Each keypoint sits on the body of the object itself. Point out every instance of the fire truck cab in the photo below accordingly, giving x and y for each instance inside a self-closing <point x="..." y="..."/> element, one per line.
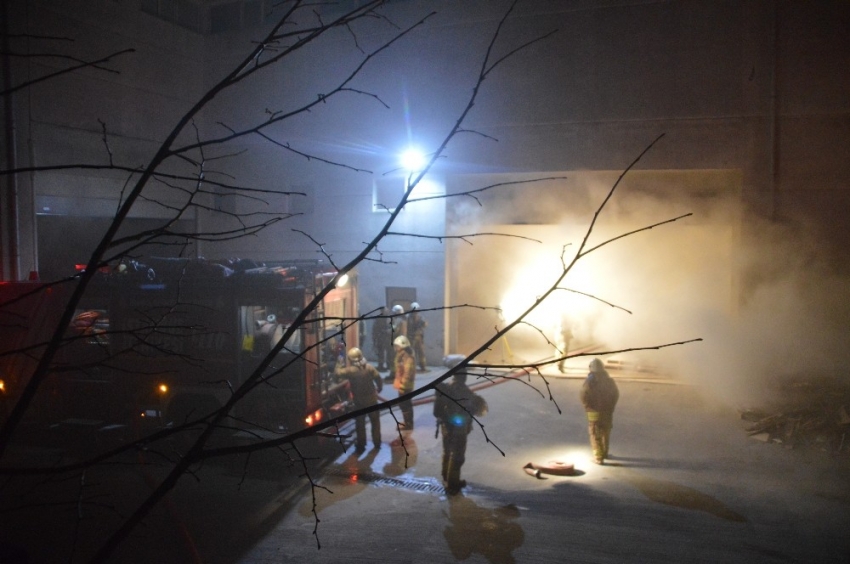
<point x="162" y="342"/>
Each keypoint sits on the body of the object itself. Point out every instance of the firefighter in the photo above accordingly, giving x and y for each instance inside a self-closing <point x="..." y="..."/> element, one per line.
<point x="366" y="384"/>
<point x="382" y="342"/>
<point x="563" y="347"/>
<point x="405" y="378"/>
<point x="416" y="334"/>
<point x="398" y="327"/>
<point x="454" y="407"/>
<point x="599" y="395"/>
<point x="399" y="322"/>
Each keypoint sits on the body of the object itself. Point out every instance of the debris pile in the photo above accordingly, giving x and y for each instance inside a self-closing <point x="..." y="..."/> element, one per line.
<point x="809" y="414"/>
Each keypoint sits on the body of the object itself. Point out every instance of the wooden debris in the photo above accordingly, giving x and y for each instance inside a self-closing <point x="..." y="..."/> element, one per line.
<point x="813" y="414"/>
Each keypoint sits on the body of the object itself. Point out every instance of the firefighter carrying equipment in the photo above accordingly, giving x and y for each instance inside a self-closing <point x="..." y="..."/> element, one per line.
<point x="554" y="467"/>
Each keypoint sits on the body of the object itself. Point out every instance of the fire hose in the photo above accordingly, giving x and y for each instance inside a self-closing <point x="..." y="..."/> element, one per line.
<point x="553" y="467"/>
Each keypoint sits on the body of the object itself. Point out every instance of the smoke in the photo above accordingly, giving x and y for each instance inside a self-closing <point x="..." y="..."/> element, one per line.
<point x="760" y="295"/>
<point x="791" y="324"/>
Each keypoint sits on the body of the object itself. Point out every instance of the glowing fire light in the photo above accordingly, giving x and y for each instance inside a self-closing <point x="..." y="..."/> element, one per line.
<point x="530" y="282"/>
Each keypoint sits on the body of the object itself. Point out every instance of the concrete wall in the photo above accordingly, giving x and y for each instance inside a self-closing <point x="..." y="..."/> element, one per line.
<point x="117" y="111"/>
<point x="751" y="86"/>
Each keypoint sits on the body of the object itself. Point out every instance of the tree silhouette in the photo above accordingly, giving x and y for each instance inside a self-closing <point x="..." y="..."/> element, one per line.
<point x="185" y="166"/>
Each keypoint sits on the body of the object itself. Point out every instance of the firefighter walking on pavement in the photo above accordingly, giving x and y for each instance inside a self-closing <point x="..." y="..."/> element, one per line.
<point x="599" y="395"/>
<point x="454" y="407"/>
<point x="365" y="384"/>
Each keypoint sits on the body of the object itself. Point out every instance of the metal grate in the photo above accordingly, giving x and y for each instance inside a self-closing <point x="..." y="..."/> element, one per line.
<point x="425" y="485"/>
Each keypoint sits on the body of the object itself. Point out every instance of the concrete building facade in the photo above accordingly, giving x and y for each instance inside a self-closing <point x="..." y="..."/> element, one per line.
<point x="752" y="98"/>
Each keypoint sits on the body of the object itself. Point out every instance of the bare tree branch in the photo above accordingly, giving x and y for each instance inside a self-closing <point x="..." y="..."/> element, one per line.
<point x="82" y="64"/>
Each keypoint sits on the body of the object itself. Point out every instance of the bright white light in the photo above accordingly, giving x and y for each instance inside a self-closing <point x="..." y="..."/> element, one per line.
<point x="343" y="280"/>
<point x="532" y="276"/>
<point x="413" y="160"/>
<point x="533" y="279"/>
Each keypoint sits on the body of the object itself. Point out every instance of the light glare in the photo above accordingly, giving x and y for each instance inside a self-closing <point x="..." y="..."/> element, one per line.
<point x="413" y="160"/>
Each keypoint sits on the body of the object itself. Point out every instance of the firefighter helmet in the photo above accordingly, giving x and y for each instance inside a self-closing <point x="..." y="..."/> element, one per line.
<point x="596" y="365"/>
<point x="398" y="309"/>
<point x="402" y="341"/>
<point x="413" y="306"/>
<point x="355" y="355"/>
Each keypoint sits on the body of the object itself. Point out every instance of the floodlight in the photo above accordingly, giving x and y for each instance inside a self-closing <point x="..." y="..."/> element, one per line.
<point x="413" y="160"/>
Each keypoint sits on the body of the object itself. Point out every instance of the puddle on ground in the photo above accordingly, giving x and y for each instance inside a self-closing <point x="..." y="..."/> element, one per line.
<point x="491" y="532"/>
<point x="353" y="472"/>
<point x="677" y="495"/>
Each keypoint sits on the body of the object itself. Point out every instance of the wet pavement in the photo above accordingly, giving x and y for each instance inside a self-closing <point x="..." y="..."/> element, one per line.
<point x="685" y="484"/>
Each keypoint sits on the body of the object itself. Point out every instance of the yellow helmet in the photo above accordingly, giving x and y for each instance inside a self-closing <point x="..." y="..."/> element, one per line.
<point x="402" y="341"/>
<point x="355" y="355"/>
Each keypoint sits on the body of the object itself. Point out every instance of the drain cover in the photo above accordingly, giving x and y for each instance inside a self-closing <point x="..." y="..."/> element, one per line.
<point x="428" y="485"/>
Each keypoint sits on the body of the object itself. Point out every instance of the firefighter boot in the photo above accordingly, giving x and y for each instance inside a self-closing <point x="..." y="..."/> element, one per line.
<point x="453" y="482"/>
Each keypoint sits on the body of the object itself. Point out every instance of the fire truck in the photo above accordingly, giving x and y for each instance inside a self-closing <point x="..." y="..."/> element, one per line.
<point x="159" y="342"/>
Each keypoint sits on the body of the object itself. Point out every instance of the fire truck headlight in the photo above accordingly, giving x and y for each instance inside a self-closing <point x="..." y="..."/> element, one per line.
<point x="162" y="389"/>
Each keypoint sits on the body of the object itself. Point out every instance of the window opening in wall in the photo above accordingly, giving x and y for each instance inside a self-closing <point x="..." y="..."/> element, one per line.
<point x="400" y="295"/>
<point x="387" y="193"/>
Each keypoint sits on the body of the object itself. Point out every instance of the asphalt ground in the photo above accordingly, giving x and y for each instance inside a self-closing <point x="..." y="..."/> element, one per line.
<point x="685" y="484"/>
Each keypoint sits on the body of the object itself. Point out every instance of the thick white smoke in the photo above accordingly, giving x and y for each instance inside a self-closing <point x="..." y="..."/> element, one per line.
<point x="759" y="294"/>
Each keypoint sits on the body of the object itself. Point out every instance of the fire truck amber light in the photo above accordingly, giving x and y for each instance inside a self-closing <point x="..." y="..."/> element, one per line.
<point x="313" y="418"/>
<point x="162" y="388"/>
<point x="2" y="386"/>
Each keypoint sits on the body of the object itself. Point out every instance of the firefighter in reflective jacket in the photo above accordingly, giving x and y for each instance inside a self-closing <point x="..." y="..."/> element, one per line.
<point x="599" y="395"/>
<point x="405" y="378"/>
<point x="454" y="407"/>
<point x="365" y="383"/>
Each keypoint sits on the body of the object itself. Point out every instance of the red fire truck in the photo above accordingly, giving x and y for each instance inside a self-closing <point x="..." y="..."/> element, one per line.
<point x="158" y="342"/>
